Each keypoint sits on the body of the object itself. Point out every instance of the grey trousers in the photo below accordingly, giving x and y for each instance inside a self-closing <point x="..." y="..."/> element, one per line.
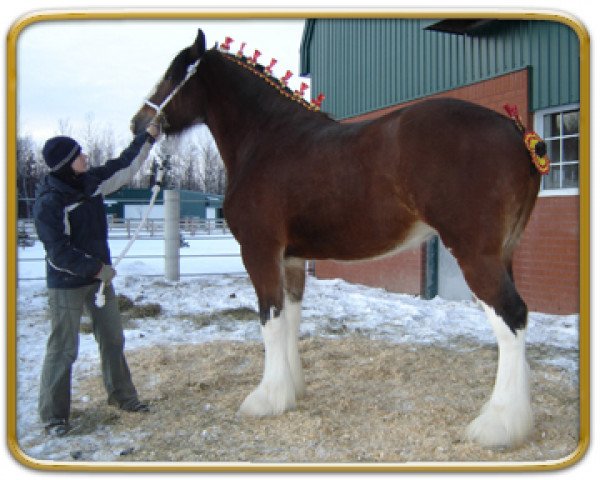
<point x="66" y="309"/>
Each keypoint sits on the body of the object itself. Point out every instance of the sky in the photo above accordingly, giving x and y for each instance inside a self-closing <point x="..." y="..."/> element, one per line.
<point x="99" y="71"/>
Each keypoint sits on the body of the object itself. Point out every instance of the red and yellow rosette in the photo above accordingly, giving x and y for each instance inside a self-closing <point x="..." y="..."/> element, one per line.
<point x="534" y="143"/>
<point x="541" y="162"/>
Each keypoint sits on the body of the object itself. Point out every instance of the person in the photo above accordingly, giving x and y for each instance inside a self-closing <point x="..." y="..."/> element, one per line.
<point x="70" y="220"/>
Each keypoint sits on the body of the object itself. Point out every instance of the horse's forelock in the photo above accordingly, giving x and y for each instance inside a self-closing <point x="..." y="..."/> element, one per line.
<point x="178" y="68"/>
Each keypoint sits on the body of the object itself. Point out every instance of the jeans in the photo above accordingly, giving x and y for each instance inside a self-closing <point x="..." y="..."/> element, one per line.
<point x="66" y="309"/>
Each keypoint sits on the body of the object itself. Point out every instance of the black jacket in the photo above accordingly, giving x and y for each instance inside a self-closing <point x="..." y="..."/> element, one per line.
<point x="71" y="222"/>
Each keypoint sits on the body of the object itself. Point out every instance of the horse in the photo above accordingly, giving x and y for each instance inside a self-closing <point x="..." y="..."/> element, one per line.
<point x="304" y="186"/>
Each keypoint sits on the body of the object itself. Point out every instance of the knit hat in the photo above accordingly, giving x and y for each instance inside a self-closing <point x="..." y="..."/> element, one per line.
<point x="60" y="151"/>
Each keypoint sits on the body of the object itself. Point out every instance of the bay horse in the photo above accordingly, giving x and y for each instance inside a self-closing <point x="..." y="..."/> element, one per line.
<point x="304" y="186"/>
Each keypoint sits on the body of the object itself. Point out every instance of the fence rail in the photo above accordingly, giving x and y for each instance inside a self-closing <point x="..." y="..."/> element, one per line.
<point x="124" y="228"/>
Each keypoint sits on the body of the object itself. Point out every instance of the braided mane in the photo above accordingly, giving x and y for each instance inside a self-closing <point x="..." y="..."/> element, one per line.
<point x="264" y="74"/>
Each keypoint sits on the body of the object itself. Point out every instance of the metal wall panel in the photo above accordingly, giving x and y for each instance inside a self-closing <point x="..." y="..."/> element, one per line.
<point x="367" y="64"/>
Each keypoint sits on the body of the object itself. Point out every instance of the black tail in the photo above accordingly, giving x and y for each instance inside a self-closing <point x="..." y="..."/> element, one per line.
<point x="540" y="148"/>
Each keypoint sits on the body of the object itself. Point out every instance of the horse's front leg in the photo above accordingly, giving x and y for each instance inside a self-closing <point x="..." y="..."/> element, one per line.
<point x="276" y="392"/>
<point x="295" y="277"/>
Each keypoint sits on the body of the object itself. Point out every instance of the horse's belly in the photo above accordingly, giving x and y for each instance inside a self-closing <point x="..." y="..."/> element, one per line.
<point x="355" y="246"/>
<point x="416" y="236"/>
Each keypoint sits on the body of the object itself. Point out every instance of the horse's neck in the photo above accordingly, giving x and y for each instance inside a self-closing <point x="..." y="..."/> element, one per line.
<point x="242" y="111"/>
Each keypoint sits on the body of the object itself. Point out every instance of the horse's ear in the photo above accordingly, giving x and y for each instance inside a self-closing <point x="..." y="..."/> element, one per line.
<point x="200" y="43"/>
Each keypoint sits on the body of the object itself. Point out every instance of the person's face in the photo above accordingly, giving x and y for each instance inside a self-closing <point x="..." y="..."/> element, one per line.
<point x="80" y="164"/>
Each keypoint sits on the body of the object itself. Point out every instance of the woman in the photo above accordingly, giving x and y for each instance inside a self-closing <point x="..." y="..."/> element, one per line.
<point x="70" y="220"/>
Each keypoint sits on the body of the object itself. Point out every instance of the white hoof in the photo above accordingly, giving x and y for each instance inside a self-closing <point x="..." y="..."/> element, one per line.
<point x="501" y="427"/>
<point x="265" y="401"/>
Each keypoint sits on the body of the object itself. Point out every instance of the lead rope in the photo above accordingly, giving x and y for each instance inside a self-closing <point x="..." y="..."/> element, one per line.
<point x="100" y="297"/>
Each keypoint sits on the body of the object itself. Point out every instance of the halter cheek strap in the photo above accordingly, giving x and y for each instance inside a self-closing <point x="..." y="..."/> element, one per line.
<point x="159" y="108"/>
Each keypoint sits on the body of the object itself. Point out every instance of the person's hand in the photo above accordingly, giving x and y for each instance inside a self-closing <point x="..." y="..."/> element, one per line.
<point x="106" y="273"/>
<point x="154" y="128"/>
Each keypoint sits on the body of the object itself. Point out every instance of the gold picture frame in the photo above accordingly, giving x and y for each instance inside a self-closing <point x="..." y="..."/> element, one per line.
<point x="12" y="248"/>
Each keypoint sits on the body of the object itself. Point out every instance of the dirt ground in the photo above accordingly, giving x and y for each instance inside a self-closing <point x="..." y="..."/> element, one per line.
<point x="367" y="401"/>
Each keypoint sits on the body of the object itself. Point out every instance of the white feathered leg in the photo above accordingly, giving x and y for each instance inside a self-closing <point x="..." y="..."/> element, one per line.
<point x="507" y="418"/>
<point x="276" y="392"/>
<point x="292" y="316"/>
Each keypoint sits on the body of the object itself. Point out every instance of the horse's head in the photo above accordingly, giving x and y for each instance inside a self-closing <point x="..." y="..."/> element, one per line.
<point x="172" y="97"/>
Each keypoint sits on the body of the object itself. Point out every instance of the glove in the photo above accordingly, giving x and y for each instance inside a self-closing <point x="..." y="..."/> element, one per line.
<point x="154" y="128"/>
<point x="106" y="273"/>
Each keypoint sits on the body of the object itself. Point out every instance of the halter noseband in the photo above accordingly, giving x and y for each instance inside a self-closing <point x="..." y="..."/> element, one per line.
<point x="191" y="70"/>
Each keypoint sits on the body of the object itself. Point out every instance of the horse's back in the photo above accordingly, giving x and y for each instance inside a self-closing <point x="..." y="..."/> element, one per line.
<point x="453" y="165"/>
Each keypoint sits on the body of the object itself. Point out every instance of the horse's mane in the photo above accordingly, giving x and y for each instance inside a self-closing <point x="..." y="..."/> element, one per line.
<point x="262" y="73"/>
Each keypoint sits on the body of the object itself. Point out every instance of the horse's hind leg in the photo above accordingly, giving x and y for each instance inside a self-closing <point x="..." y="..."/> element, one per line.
<point x="276" y="392"/>
<point x="507" y="418"/>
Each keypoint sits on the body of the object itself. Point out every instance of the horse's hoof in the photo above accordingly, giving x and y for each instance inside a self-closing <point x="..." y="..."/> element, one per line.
<point x="265" y="402"/>
<point x="498" y="427"/>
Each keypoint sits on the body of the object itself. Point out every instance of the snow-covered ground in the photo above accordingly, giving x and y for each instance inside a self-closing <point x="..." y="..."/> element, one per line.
<point x="330" y="308"/>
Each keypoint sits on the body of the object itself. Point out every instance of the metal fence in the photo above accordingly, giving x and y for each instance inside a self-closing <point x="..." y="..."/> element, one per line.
<point x="124" y="229"/>
<point x="119" y="228"/>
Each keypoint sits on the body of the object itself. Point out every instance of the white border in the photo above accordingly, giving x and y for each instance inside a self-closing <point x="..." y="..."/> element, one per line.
<point x="584" y="10"/>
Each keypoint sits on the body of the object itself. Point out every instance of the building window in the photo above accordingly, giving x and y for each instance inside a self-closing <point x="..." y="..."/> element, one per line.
<point x="559" y="127"/>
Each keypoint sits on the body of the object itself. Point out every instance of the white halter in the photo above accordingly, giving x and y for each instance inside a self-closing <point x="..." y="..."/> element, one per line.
<point x="191" y="70"/>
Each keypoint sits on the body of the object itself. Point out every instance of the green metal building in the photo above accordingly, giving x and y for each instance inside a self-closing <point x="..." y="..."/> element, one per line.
<point x="130" y="202"/>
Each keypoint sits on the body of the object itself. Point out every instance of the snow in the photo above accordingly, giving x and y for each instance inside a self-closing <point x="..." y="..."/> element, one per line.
<point x="330" y="308"/>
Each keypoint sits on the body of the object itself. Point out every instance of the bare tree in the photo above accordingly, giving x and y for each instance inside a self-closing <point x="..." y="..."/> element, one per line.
<point x="214" y="170"/>
<point x="30" y="168"/>
<point x="107" y="140"/>
<point x="91" y="142"/>
<point x="64" y="127"/>
<point x="193" y="175"/>
<point x="192" y="163"/>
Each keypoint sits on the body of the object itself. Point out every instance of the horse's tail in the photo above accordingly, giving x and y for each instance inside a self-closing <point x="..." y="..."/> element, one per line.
<point x="535" y="144"/>
<point x="540" y="148"/>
